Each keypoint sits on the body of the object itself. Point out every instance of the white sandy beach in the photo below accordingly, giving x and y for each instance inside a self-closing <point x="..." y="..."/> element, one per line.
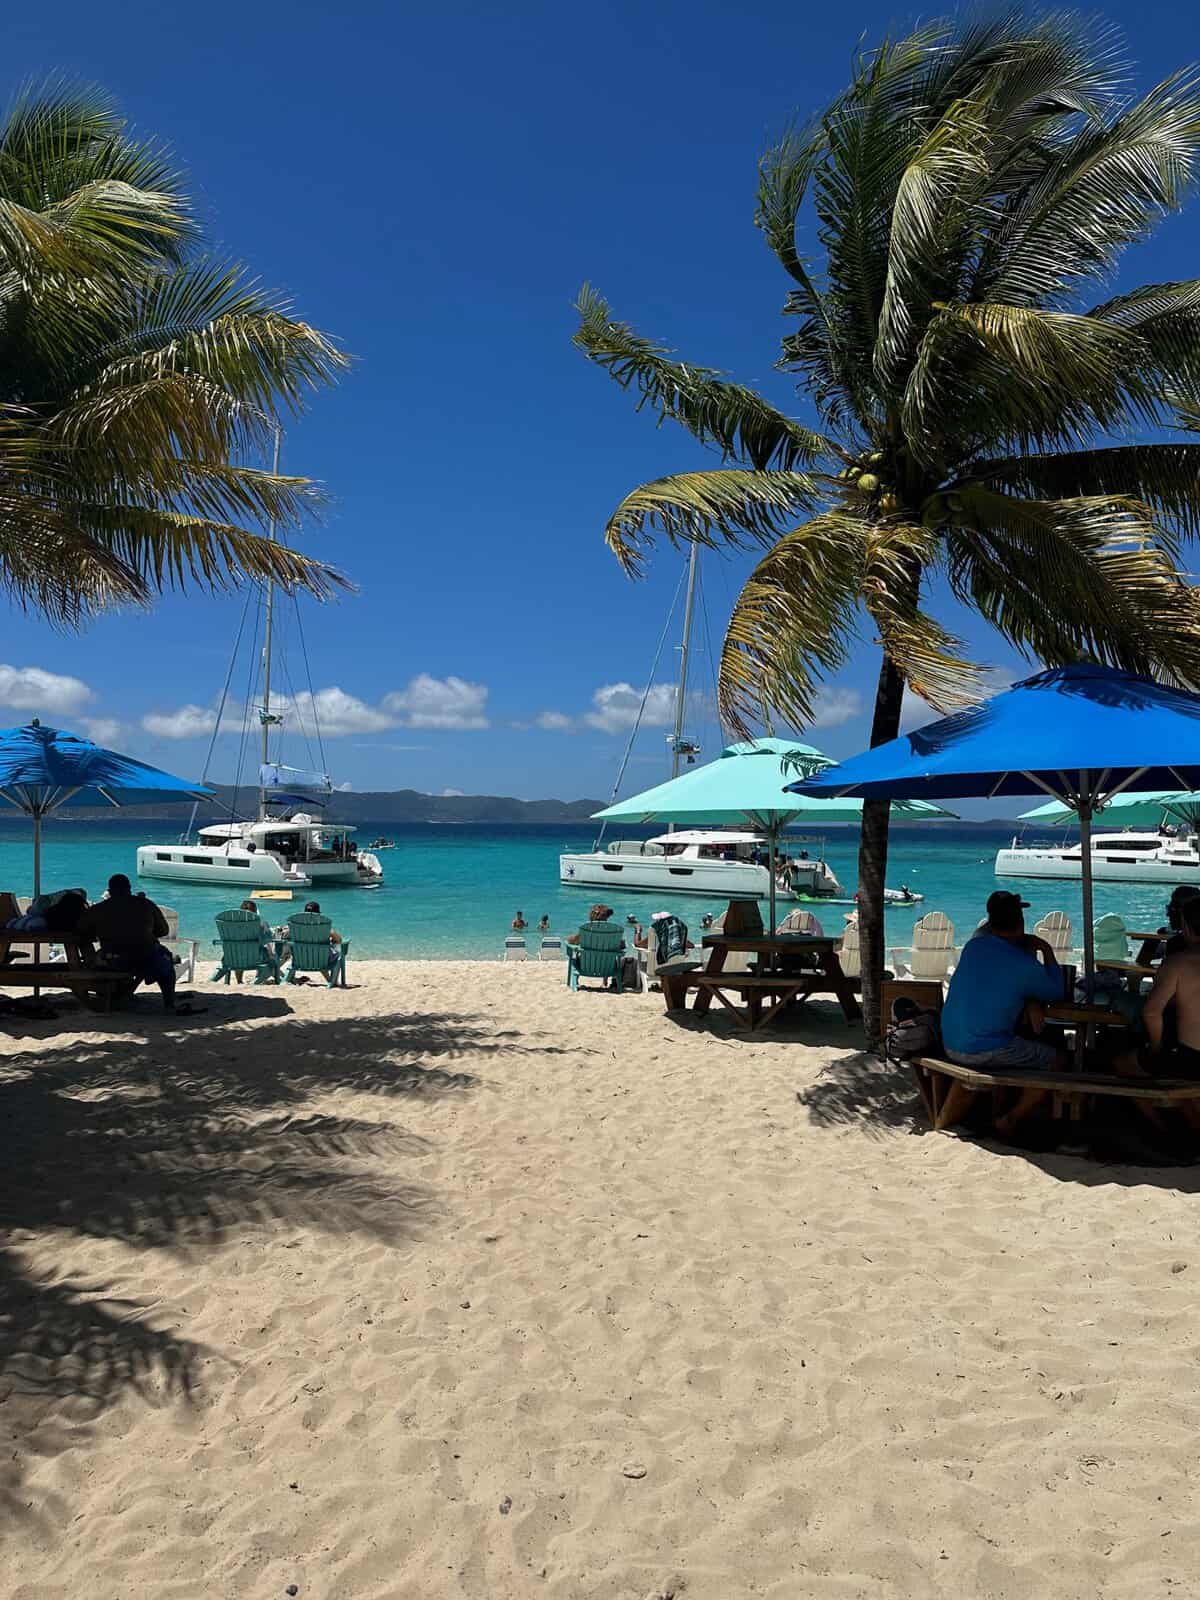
<point x="457" y="1284"/>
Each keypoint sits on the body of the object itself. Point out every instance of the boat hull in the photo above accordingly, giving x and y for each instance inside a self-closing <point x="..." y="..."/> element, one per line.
<point x="664" y="874"/>
<point x="241" y="870"/>
<point x="1106" y="867"/>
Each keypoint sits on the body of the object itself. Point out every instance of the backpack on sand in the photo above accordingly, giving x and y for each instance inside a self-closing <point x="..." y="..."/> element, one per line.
<point x="912" y="1033"/>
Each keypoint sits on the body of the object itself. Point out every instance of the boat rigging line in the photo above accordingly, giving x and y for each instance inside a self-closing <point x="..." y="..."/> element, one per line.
<point x="662" y="639"/>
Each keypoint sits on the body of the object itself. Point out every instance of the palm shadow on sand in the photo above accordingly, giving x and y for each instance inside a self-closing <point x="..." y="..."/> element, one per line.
<point x="136" y="1140"/>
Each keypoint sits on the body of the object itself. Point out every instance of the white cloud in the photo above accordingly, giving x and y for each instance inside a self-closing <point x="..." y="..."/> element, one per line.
<point x="554" y="721"/>
<point x="835" y="706"/>
<point x="344" y="788"/>
<point x="35" y="689"/>
<point x="103" y="730"/>
<point x="189" y="722"/>
<point x="429" y="702"/>
<point x="452" y="794"/>
<point x="615" y="707"/>
<point x="332" y="710"/>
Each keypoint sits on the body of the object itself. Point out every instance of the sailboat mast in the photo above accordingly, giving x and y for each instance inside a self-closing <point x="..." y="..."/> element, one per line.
<point x="681" y="691"/>
<point x="268" y="625"/>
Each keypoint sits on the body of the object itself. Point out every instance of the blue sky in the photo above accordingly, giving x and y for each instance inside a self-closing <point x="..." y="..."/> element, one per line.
<point x="432" y="185"/>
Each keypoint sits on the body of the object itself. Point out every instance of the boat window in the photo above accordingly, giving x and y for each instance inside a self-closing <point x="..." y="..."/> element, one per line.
<point x="164" y="855"/>
<point x="196" y="861"/>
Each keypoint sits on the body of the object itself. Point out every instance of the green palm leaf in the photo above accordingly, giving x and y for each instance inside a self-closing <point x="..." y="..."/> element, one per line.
<point x="138" y="380"/>
<point x="736" y="421"/>
<point x="708" y="508"/>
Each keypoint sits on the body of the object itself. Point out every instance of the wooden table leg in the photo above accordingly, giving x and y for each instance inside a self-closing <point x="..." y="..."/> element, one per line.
<point x="674" y="988"/>
<point x="716" y="963"/>
<point x="840" y="984"/>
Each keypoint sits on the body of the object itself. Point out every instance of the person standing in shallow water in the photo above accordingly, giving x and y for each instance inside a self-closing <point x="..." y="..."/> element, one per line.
<point x="518" y="923"/>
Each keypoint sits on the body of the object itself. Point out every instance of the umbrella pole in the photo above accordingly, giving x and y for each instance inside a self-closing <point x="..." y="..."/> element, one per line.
<point x="1085" y="878"/>
<point x="771" y="840"/>
<point x="37" y="853"/>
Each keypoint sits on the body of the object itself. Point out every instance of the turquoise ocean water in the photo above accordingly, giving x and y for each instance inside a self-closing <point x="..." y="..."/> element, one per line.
<point x="451" y="891"/>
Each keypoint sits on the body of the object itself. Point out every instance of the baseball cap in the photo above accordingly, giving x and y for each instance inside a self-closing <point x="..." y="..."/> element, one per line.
<point x="660" y="916"/>
<point x="1004" y="908"/>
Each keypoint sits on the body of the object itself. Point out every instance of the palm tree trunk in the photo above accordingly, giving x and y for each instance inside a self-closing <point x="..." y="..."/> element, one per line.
<point x="873" y="854"/>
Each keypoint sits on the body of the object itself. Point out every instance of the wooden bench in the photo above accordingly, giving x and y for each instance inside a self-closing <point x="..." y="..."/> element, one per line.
<point x="753" y="988"/>
<point x="948" y="1088"/>
<point x="97" y="988"/>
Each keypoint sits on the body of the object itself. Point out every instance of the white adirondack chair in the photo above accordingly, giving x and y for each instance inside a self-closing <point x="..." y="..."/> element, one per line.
<point x="514" y="948"/>
<point x="551" y="948"/>
<point x="932" y="952"/>
<point x="801" y="921"/>
<point x="178" y="944"/>
<point x="1055" y="929"/>
<point x="850" y="951"/>
<point x="735" y="960"/>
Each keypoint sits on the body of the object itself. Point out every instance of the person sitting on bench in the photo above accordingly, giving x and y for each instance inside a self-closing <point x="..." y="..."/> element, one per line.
<point x="997" y="983"/>
<point x="127" y="927"/>
<point x="1175" y="1052"/>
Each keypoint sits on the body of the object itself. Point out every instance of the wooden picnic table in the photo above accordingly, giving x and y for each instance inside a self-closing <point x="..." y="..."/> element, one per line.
<point x="1083" y="1019"/>
<point x="94" y="985"/>
<point x="773" y="984"/>
<point x="1132" y="971"/>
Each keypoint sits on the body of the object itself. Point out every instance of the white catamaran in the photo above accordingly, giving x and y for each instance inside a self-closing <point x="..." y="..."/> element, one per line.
<point x="1129" y="857"/>
<point x="719" y="862"/>
<point x="285" y="846"/>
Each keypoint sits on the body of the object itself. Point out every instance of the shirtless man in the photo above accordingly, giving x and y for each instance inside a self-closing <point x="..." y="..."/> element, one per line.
<point x="1178" y="983"/>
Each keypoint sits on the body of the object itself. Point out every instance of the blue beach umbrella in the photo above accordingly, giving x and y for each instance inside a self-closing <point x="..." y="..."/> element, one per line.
<point x="1080" y="735"/>
<point x="43" y="769"/>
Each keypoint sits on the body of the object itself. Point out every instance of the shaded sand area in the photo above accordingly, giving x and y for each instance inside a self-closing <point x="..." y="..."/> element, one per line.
<point x="459" y="1285"/>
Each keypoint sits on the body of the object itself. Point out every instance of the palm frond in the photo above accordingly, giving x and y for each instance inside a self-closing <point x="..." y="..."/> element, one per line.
<point x="925" y="224"/>
<point x="1084" y="576"/>
<point x="1035" y="378"/>
<point x="792" y="623"/>
<point x="729" y="505"/>
<point x="1100" y="193"/>
<point x="1165" y="477"/>
<point x="175" y="549"/>
<point x="735" y="420"/>
<point x="930" y="657"/>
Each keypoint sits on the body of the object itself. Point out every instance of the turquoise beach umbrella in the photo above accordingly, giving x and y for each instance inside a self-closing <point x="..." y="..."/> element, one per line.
<point x="1141" y="810"/>
<point x="746" y="787"/>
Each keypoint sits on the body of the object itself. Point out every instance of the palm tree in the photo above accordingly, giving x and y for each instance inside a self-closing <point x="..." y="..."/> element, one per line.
<point x="978" y="422"/>
<point x="138" y="377"/>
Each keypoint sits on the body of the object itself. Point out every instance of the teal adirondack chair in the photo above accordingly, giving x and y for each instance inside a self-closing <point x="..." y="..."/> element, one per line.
<point x="242" y="948"/>
<point x="599" y="954"/>
<point x="1110" y="940"/>
<point x="308" y="935"/>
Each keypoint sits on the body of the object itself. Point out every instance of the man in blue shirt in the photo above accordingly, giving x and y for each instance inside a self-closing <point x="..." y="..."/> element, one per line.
<point x="997" y="976"/>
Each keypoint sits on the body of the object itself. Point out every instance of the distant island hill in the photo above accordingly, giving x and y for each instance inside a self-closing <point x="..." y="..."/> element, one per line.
<point x="378" y="808"/>
<point x="396" y="807"/>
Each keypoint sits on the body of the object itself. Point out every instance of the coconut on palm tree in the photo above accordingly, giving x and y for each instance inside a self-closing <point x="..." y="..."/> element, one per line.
<point x="985" y="415"/>
<point x="139" y="378"/>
